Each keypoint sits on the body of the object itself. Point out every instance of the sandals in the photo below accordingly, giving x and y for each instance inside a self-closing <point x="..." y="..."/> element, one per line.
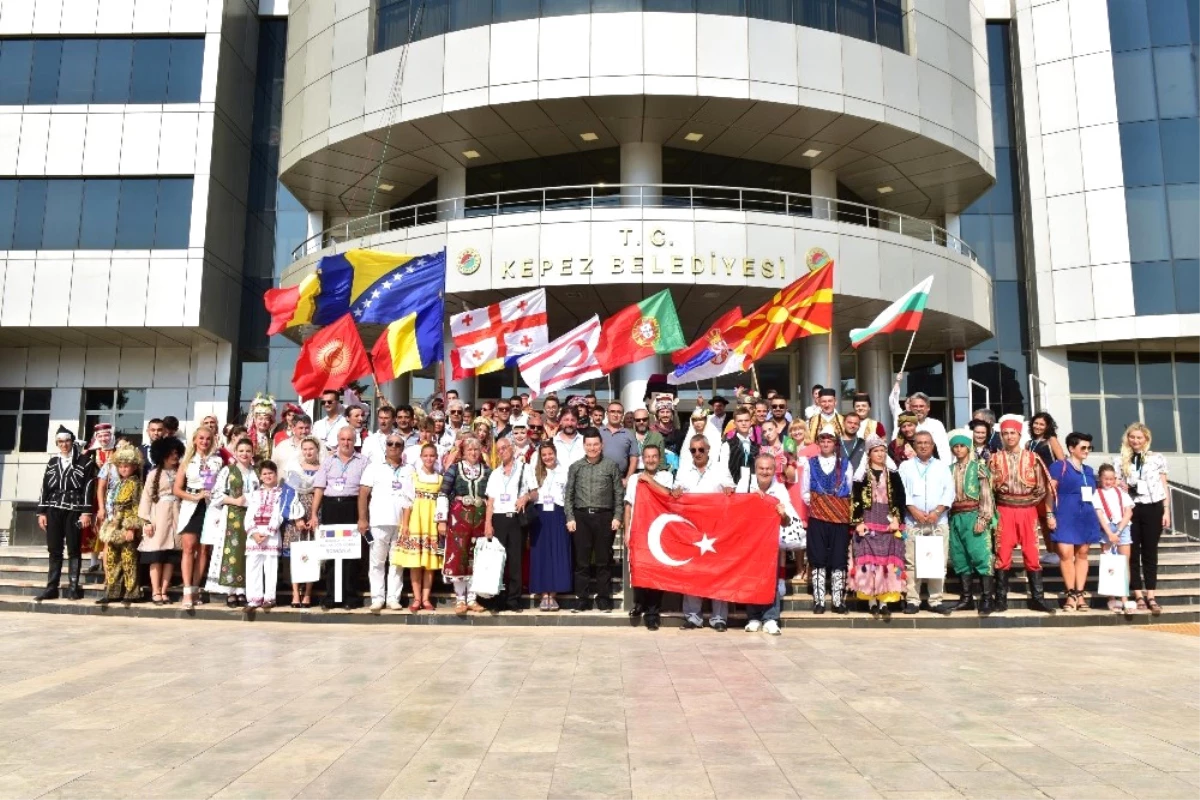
<point x="231" y="601"/>
<point x="1069" y="602"/>
<point x="1141" y="604"/>
<point x="1155" y="608"/>
<point x="1081" y="602"/>
<point x="460" y="608"/>
<point x="414" y="606"/>
<point x="427" y="606"/>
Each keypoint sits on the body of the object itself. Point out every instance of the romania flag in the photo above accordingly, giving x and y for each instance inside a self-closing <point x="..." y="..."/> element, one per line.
<point x="414" y="341"/>
<point x="802" y="308"/>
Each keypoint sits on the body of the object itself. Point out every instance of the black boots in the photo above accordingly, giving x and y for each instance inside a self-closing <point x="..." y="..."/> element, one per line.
<point x="49" y="593"/>
<point x="1001" y="591"/>
<point x="986" y="605"/>
<point x="1037" y="595"/>
<point x="966" y="601"/>
<point x="74" y="565"/>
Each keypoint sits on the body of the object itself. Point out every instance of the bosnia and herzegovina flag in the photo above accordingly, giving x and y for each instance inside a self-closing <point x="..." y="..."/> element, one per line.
<point x="376" y="288"/>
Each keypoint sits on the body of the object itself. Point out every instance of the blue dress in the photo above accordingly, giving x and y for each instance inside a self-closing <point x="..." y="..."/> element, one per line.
<point x="1077" y="523"/>
<point x="551" y="565"/>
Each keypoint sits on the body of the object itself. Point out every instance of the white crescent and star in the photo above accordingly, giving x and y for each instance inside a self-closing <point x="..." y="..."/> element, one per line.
<point x="654" y="540"/>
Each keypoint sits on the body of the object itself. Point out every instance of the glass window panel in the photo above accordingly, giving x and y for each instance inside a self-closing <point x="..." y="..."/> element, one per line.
<point x="63" y="201"/>
<point x="1119" y="373"/>
<point x="1085" y="417"/>
<point x="1119" y="414"/>
<point x="131" y="399"/>
<point x="856" y="18"/>
<point x="1002" y="191"/>
<point x="1189" y="412"/>
<point x="1014" y="379"/>
<point x="889" y="24"/>
<point x="997" y="47"/>
<point x="187" y="65"/>
<point x="1083" y="372"/>
<point x="151" y="60"/>
<point x="1175" y="82"/>
<point x="1152" y="282"/>
<point x="815" y="14"/>
<point x="43" y="79"/>
<point x="777" y="10"/>
<point x="1128" y="25"/>
<point x="129" y="426"/>
<point x="1147" y="210"/>
<point x="469" y="14"/>
<point x="98" y="399"/>
<point x="1134" y="78"/>
<point x="976" y="231"/>
<point x="1187" y="374"/>
<point x="1154" y="374"/>
<point x="562" y="8"/>
<point x="16" y="59"/>
<point x="435" y="18"/>
<point x="1141" y="156"/>
<point x="1000" y="121"/>
<point x="603" y="6"/>
<point x="729" y="7"/>
<point x="1004" y="247"/>
<point x="98" y="226"/>
<point x="174" y="213"/>
<point x="1187" y="286"/>
<point x="8" y="212"/>
<point x="10" y="400"/>
<point x="1008" y="315"/>
<point x="1181" y="150"/>
<point x="35" y="431"/>
<point x="135" y="218"/>
<point x="509" y="10"/>
<point x="1168" y="21"/>
<point x="8" y="432"/>
<point x="77" y="72"/>
<point x="37" y="400"/>
<point x="114" y="61"/>
<point x="1159" y="416"/>
<point x="1183" y="206"/>
<point x="31" y="210"/>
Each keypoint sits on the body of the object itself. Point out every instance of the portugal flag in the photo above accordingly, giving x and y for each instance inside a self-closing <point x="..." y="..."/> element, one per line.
<point x="330" y="359"/>
<point x="641" y="330"/>
<point x="719" y="546"/>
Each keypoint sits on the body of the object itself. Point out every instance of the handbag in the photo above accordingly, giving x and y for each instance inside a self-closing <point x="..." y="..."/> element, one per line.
<point x="306" y="562"/>
<point x="1114" y="574"/>
<point x="487" y="573"/>
<point x="529" y="513"/>
<point x="793" y="536"/>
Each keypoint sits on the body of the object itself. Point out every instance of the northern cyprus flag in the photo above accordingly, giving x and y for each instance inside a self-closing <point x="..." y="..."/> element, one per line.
<point x="903" y="315"/>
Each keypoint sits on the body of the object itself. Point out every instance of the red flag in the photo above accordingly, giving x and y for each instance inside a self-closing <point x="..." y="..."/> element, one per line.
<point x="692" y="545"/>
<point x="330" y="359"/>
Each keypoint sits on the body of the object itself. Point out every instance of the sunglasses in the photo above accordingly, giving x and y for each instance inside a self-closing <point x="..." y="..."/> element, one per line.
<point x="1085" y="447"/>
<point x="699" y="449"/>
<point x="779" y="405"/>
<point x="329" y="402"/>
<point x="641" y="419"/>
<point x="536" y="429"/>
<point x="395" y="444"/>
<point x="455" y="411"/>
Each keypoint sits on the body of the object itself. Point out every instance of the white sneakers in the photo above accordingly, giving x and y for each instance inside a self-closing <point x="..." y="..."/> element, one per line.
<point x="771" y="627"/>
<point x="376" y="606"/>
<point x="753" y="626"/>
<point x="395" y="605"/>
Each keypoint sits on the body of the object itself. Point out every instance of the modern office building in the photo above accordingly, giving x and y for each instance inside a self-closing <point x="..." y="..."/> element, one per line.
<point x="163" y="162"/>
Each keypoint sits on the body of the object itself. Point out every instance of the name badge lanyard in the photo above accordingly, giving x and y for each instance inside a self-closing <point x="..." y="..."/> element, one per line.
<point x="506" y="495"/>
<point x="571" y="447"/>
<point x="923" y="475"/>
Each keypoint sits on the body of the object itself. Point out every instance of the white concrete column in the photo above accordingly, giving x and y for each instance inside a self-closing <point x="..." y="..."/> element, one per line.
<point x="451" y="184"/>
<point x="631" y="380"/>
<point x="824" y="190"/>
<point x="466" y="387"/>
<point x="398" y="391"/>
<point x="817" y="368"/>
<point x="875" y="378"/>
<point x="641" y="164"/>
<point x="954" y="228"/>
<point x="316" y="224"/>
<point x="961" y="403"/>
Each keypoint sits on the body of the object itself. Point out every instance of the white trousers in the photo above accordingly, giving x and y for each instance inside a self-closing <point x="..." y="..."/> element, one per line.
<point x="262" y="574"/>
<point x="464" y="589"/>
<point x="385" y="578"/>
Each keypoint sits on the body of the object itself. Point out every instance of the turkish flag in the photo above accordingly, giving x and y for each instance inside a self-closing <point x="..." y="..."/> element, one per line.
<point x="724" y="547"/>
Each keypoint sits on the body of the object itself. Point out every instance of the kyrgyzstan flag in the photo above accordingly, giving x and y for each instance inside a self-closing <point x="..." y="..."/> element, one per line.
<point x="724" y="547"/>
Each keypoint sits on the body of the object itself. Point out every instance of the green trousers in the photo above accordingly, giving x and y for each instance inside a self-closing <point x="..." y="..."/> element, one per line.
<point x="970" y="552"/>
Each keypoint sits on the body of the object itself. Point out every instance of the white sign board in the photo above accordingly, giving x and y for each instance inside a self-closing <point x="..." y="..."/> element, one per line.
<point x="338" y="541"/>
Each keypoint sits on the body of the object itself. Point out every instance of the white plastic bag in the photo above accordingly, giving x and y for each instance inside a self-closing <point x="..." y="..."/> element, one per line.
<point x="792" y="536"/>
<point x="487" y="575"/>
<point x="306" y="562"/>
<point x="930" y="557"/>
<point x="1114" y="575"/>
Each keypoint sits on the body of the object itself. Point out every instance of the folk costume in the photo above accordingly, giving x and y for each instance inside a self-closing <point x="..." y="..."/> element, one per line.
<point x="901" y="449"/>
<point x="877" y="503"/>
<point x="1020" y="484"/>
<point x="971" y="549"/>
<point x="121" y="527"/>
<point x="260" y="427"/>
<point x="225" y="527"/>
<point x="67" y="492"/>
<point x="462" y="506"/>
<point x="99" y="448"/>
<point x="266" y="511"/>
<point x="821" y="422"/>
<point x="827" y="492"/>
<point x="420" y="547"/>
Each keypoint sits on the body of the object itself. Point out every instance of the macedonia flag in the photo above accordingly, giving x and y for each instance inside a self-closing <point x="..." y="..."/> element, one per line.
<point x="802" y="308"/>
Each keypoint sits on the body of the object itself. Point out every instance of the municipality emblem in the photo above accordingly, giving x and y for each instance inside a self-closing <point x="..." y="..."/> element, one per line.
<point x="645" y="333"/>
<point x="469" y="261"/>
<point x="816" y="258"/>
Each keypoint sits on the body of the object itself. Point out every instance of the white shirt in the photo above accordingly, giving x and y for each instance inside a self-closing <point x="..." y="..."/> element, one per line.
<point x="931" y="426"/>
<point x="447" y="440"/>
<point x="927" y="485"/>
<point x="286" y="456"/>
<point x="412" y="457"/>
<point x="710" y="480"/>
<point x="569" y="450"/>
<point x="749" y="485"/>
<point x="662" y="477"/>
<point x="391" y="492"/>
<point x="327" y="429"/>
<point x="374" y="449"/>
<point x="1118" y="500"/>
<point x="717" y="424"/>
<point x="811" y="411"/>
<point x="503" y="490"/>
<point x="714" y="446"/>
<point x="554" y="485"/>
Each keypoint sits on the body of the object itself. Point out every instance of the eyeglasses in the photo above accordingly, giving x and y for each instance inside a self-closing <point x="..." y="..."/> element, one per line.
<point x="455" y="411"/>
<point x="329" y="402"/>
<point x="698" y="449"/>
<point x="395" y="444"/>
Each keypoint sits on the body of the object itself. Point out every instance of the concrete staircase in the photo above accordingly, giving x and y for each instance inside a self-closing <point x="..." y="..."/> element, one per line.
<point x="23" y="575"/>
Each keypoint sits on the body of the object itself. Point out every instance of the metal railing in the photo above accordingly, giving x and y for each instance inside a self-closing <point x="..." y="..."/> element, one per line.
<point x="661" y="195"/>
<point x="1184" y="503"/>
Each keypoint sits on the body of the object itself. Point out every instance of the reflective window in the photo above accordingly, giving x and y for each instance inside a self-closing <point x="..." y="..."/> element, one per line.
<point x="95" y="213"/>
<point x="24" y="420"/>
<point x="1141" y="156"/>
<point x="1159" y="389"/>
<point x="124" y="409"/>
<point x="1083" y="372"/>
<point x="45" y="71"/>
<point x="856" y="18"/>
<point x="1085" y="417"/>
<point x="511" y="10"/>
<point x="816" y="14"/>
<point x="1169" y="22"/>
<point x="1152" y="281"/>
<point x="1189" y="412"/>
<point x="1187" y="374"/>
<point x="1119" y="373"/>
<point x="1147" y="212"/>
<point x="1187" y="286"/>
<point x="469" y="13"/>
<point x="777" y="10"/>
<point x="727" y="7"/>
<point x="563" y="8"/>
<point x="1128" y="25"/>
<point x="1159" y="415"/>
<point x="1180" y="149"/>
<point x="1183" y="209"/>
<point x="1174" y="82"/>
<point x="1133" y="72"/>
<point x="1119" y="414"/>
<point x="1154" y="374"/>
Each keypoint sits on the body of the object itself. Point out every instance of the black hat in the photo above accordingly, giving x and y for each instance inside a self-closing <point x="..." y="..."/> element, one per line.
<point x="862" y="397"/>
<point x="827" y="393"/>
<point x="718" y="399"/>
<point x="979" y="423"/>
<point x="62" y="429"/>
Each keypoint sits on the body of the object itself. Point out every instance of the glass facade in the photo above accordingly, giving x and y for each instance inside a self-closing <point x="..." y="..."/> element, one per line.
<point x="1155" y="69"/>
<point x="1110" y="390"/>
<point x="880" y="21"/>
<point x="94" y="70"/>
<point x="991" y="225"/>
<point x="95" y="213"/>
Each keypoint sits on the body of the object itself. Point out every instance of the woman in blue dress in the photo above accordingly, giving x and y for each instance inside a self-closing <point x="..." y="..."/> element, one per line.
<point x="1077" y="526"/>
<point x="550" y="560"/>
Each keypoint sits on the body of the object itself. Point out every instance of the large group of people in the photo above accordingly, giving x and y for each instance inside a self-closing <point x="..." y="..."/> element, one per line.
<point x="556" y="487"/>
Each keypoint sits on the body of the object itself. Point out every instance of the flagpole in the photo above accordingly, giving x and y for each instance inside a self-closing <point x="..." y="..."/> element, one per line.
<point x="904" y="363"/>
<point x="829" y="362"/>
<point x="753" y="378"/>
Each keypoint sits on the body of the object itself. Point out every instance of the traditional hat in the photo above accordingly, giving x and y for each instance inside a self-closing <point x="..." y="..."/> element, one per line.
<point x="862" y="397"/>
<point x="126" y="454"/>
<point x="827" y="432"/>
<point x="873" y="442"/>
<point x="101" y="427"/>
<point x="262" y="404"/>
<point x="664" y="401"/>
<point x="437" y="415"/>
<point x="962" y="436"/>
<point x="906" y="416"/>
<point x="1012" y="425"/>
<point x="700" y="413"/>
<point x="62" y="431"/>
<point x="292" y="408"/>
<point x="829" y="392"/>
<point x="160" y="449"/>
<point x="519" y="422"/>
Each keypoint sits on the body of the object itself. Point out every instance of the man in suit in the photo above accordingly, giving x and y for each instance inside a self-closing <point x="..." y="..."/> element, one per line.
<point x="155" y="430"/>
<point x="738" y="453"/>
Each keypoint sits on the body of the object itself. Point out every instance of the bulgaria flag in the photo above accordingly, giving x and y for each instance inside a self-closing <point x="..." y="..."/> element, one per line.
<point x="903" y="315"/>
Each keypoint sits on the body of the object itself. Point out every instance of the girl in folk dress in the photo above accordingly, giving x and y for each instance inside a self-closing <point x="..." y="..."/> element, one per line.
<point x="294" y="530"/>
<point x="419" y="548"/>
<point x="159" y="508"/>
<point x="225" y="525"/>
<point x="121" y="524"/>
<point x="460" y="517"/>
<point x="194" y="481"/>
<point x="877" y="514"/>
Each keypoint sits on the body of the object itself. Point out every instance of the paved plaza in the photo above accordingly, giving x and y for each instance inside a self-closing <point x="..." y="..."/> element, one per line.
<point x="98" y="708"/>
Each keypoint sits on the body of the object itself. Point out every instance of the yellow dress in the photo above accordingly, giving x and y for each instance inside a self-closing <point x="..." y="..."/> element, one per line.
<point x="420" y="547"/>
